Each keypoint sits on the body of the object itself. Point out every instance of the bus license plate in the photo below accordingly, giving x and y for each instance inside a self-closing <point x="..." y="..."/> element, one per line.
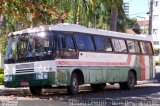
<point x="24" y="83"/>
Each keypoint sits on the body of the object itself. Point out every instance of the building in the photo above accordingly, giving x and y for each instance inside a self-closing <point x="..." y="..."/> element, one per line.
<point x="144" y="24"/>
<point x="155" y="30"/>
<point x="156" y="26"/>
<point x="126" y="8"/>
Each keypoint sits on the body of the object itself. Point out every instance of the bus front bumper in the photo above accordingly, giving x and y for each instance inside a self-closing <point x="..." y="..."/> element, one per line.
<point x="26" y="80"/>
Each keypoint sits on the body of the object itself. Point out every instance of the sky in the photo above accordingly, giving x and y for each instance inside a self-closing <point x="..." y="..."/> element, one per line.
<point x="138" y="8"/>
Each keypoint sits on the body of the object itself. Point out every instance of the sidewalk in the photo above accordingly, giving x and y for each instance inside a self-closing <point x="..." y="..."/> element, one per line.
<point x="2" y="87"/>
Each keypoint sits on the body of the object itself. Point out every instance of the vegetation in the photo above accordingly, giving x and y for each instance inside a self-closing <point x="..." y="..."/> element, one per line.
<point x="156" y="51"/>
<point x="1" y="79"/>
<point x="20" y="14"/>
<point x="92" y="13"/>
<point x="132" y="24"/>
<point x="1" y="76"/>
<point x="157" y="63"/>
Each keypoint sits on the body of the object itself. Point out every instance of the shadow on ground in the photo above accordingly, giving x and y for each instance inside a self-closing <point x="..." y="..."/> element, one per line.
<point x="151" y="90"/>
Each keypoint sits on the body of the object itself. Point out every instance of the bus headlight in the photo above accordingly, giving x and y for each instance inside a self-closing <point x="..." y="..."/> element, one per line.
<point x="45" y="75"/>
<point x="38" y="76"/>
<point x="8" y="78"/>
<point x="41" y="76"/>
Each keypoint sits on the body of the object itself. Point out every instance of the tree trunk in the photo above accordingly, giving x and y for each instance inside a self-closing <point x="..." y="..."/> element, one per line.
<point x="114" y="15"/>
<point x="75" y="17"/>
<point x="2" y="21"/>
<point x="75" y="12"/>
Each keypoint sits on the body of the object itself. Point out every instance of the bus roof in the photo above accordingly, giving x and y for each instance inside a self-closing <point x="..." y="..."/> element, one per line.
<point x="78" y="28"/>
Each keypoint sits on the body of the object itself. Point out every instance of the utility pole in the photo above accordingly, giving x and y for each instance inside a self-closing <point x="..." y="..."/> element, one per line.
<point x="150" y="17"/>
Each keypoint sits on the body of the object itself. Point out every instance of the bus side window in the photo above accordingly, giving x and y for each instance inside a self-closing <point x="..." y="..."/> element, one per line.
<point x="66" y="46"/>
<point x="133" y="46"/>
<point x="116" y="45"/>
<point x="84" y="42"/>
<point x="65" y="42"/>
<point x="108" y="45"/>
<point x="147" y="48"/>
<point x="149" y="45"/>
<point x="130" y="45"/>
<point x="119" y="45"/>
<point x="144" y="48"/>
<point x="102" y="43"/>
<point x="136" y="46"/>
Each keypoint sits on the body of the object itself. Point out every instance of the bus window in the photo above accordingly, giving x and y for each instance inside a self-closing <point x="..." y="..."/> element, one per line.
<point x="146" y="48"/>
<point x="136" y="46"/>
<point x="84" y="42"/>
<point x="65" y="42"/>
<point x="108" y="45"/>
<point x="99" y="43"/>
<point x="119" y="45"/>
<point x="130" y="45"/>
<point x="12" y="52"/>
<point x="102" y="43"/>
<point x="133" y="46"/>
<point x="143" y="47"/>
<point x="150" y="51"/>
<point x="66" y="46"/>
<point x="23" y="46"/>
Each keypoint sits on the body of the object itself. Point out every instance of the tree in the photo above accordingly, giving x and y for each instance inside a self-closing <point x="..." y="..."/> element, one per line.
<point x="20" y="14"/>
<point x="132" y="24"/>
<point x="92" y="13"/>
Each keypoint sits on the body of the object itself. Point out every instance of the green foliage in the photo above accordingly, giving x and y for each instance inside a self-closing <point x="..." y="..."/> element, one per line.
<point x="3" y="43"/>
<point x="1" y="78"/>
<point x="156" y="51"/>
<point x="157" y="63"/>
<point x="1" y="71"/>
<point x="132" y="24"/>
<point x="20" y="14"/>
<point x="92" y="13"/>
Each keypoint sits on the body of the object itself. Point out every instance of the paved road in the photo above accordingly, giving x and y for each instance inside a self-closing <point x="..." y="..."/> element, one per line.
<point x="147" y="94"/>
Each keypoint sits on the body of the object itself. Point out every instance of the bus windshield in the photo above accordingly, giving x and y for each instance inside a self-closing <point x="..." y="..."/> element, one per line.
<point x="29" y="47"/>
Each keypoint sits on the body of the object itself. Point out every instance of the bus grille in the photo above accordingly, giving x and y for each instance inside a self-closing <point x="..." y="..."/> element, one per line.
<point x="25" y="68"/>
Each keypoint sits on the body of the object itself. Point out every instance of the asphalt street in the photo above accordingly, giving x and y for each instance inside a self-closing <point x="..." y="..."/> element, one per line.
<point x="145" y="93"/>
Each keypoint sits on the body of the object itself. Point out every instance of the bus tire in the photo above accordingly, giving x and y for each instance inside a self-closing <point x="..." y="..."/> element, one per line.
<point x="130" y="82"/>
<point x="36" y="90"/>
<point x="74" y="85"/>
<point x="98" y="87"/>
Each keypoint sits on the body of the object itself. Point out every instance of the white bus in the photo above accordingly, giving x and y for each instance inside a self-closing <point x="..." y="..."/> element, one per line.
<point x="71" y="55"/>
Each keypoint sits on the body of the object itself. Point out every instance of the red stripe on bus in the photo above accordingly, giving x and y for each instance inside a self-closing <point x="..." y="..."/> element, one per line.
<point x="84" y="63"/>
<point x="142" y="62"/>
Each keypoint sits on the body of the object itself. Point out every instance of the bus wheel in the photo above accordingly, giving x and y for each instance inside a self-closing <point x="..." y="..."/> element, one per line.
<point x="36" y="90"/>
<point x="130" y="82"/>
<point x="74" y="85"/>
<point x="98" y="87"/>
